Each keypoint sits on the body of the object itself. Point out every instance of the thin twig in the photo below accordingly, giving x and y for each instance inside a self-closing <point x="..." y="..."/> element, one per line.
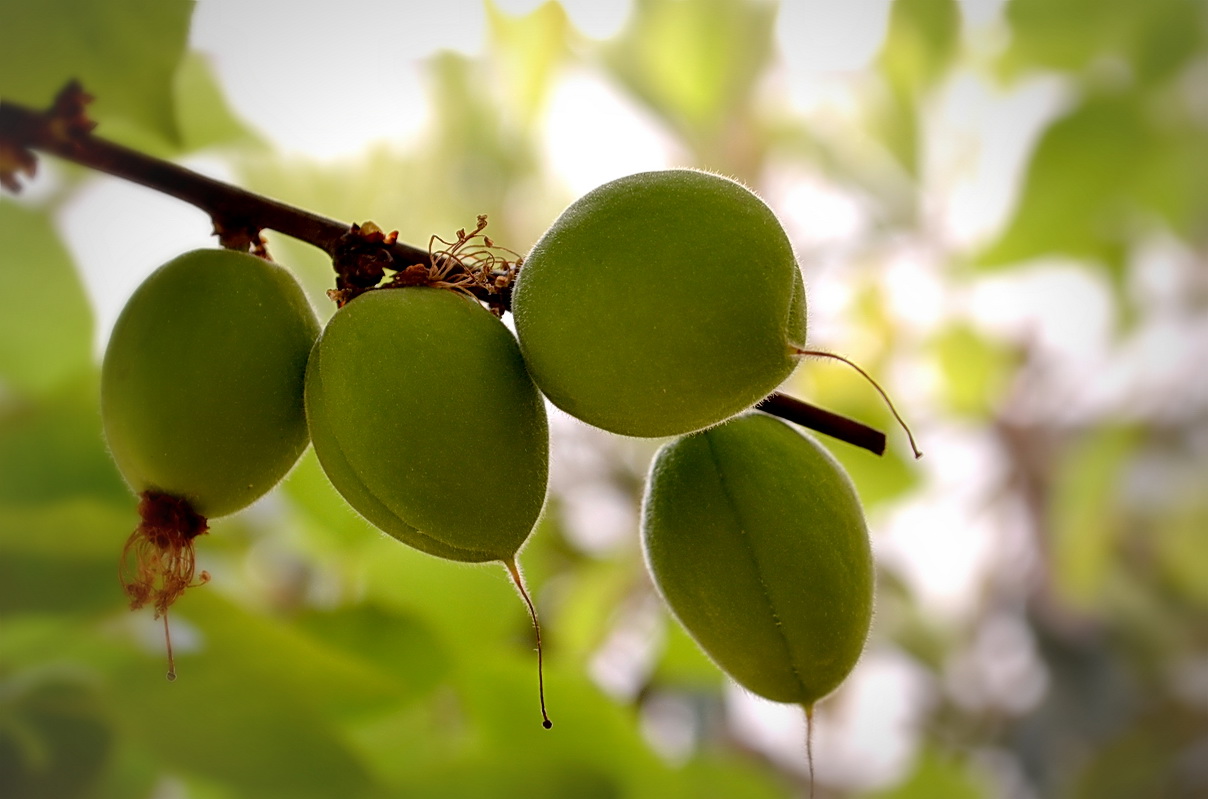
<point x="823" y="421"/>
<point x="239" y="216"/>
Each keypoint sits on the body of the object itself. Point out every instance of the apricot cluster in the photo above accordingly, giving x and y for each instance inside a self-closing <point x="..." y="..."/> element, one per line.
<point x="661" y="304"/>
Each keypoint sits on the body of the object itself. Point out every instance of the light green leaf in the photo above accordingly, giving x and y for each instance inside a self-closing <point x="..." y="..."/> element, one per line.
<point x="54" y="450"/>
<point x="528" y="49"/>
<point x="203" y="116"/>
<point x="939" y="776"/>
<point x="923" y="38"/>
<point x="125" y="52"/>
<point x="62" y="558"/>
<point x="1076" y="195"/>
<point x="54" y="742"/>
<point x="895" y="122"/>
<point x="255" y="705"/>
<point x="683" y="664"/>
<point x="975" y="369"/>
<point x="1154" y="38"/>
<point x="45" y="318"/>
<point x="1085" y="519"/>
<point x="1173" y="180"/>
<point x="694" y="63"/>
<point x="1182" y="544"/>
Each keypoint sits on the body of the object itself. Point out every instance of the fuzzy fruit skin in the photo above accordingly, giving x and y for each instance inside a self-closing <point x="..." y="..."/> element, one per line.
<point x="426" y="421"/>
<point x="660" y="303"/>
<point x="201" y="385"/>
<point x="756" y="540"/>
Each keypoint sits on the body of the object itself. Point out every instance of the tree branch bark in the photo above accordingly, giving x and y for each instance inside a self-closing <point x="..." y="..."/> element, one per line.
<point x="239" y="216"/>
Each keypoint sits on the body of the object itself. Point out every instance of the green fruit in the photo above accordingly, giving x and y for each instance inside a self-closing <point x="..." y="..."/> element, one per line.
<point x="201" y="386"/>
<point x="661" y="303"/>
<point x="425" y="420"/>
<point x="755" y="537"/>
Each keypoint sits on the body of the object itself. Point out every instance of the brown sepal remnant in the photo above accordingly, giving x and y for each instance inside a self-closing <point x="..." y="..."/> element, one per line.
<point x="241" y="237"/>
<point x="158" y="561"/>
<point x="68" y="117"/>
<point x="473" y="264"/>
<point x="66" y="121"/>
<point x="361" y="258"/>
<point x="15" y="161"/>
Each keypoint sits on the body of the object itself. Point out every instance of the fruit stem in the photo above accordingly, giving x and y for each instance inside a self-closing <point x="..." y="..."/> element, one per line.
<point x="823" y="421"/>
<point x="875" y="384"/>
<point x="809" y="744"/>
<point x="519" y="582"/>
<point x="168" y="640"/>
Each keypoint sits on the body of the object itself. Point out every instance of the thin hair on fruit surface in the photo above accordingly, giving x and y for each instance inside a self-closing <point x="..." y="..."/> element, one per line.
<point x="158" y="562"/>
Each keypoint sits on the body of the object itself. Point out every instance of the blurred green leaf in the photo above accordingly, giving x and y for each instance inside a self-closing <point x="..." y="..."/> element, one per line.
<point x="45" y="319"/>
<point x="1065" y="34"/>
<point x="921" y="42"/>
<point x="588" y="605"/>
<point x="694" y="63"/>
<point x="1155" y="38"/>
<point x="477" y="151"/>
<point x="255" y="705"/>
<point x="923" y="38"/>
<point x="975" y="370"/>
<point x="1076" y="197"/>
<point x="895" y="122"/>
<point x="61" y="583"/>
<point x="203" y="116"/>
<point x="54" y="450"/>
<point x="54" y="741"/>
<point x="306" y="667"/>
<point x="1160" y="756"/>
<point x="1182" y="544"/>
<point x="473" y="608"/>
<point x="1084" y="515"/>
<point x="500" y="698"/>
<point x="125" y="52"/>
<point x="398" y="646"/>
<point x="939" y="776"/>
<point x="1173" y="180"/>
<point x="528" y="49"/>
<point x="683" y="663"/>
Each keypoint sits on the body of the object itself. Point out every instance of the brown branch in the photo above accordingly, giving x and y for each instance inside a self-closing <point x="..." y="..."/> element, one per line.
<point x="823" y="421"/>
<point x="239" y="216"/>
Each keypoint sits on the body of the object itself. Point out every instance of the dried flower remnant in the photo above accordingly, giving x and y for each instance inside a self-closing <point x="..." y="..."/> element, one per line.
<point x="158" y="562"/>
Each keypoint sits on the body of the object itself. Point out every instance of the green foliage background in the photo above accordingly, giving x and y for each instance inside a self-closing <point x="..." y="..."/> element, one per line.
<point x="327" y="660"/>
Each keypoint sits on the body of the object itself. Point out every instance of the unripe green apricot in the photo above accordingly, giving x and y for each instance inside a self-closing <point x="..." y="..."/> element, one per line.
<point x="426" y="421"/>
<point x="661" y="303"/>
<point x="756" y="540"/>
<point x="201" y="385"/>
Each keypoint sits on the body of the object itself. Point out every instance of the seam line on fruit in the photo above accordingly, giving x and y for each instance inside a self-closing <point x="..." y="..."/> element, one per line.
<point x="335" y="437"/>
<point x="763" y="588"/>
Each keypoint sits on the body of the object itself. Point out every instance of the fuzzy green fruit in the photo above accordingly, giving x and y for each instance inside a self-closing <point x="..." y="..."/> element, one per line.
<point x="756" y="540"/>
<point x="661" y="303"/>
<point x="201" y="386"/>
<point x="425" y="420"/>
